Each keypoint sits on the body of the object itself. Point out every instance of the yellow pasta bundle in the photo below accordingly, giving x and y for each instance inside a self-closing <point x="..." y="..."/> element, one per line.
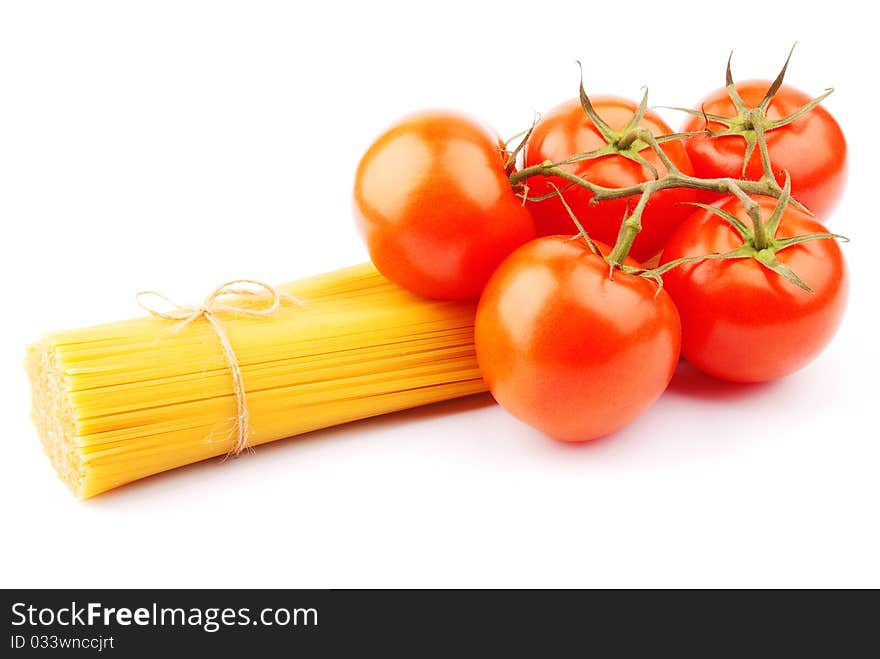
<point x="118" y="402"/>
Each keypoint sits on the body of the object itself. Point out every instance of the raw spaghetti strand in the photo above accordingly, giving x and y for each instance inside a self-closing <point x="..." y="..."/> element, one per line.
<point x="209" y="310"/>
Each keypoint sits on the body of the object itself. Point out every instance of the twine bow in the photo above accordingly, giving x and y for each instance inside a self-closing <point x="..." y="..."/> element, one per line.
<point x="214" y="305"/>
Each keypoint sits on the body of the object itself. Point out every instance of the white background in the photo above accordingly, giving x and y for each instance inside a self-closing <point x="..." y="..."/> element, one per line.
<point x="175" y="145"/>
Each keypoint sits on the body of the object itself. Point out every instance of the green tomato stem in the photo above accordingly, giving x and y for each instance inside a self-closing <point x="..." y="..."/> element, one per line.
<point x="751" y="123"/>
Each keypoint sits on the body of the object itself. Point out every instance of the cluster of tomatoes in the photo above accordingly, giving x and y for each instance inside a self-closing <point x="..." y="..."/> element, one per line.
<point x="572" y="336"/>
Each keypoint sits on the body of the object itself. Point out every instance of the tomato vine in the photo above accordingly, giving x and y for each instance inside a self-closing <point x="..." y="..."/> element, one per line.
<point x="750" y="123"/>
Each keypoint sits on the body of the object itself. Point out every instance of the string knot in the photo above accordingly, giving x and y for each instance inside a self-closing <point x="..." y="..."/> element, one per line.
<point x="253" y="298"/>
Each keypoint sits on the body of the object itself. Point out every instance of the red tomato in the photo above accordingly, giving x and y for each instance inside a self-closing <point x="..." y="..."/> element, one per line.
<point x="566" y="131"/>
<point x="569" y="350"/>
<point x="812" y="148"/>
<point x="741" y="321"/>
<point x="433" y="202"/>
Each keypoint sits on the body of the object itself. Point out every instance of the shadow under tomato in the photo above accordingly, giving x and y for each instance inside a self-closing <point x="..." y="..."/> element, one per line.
<point x="691" y="382"/>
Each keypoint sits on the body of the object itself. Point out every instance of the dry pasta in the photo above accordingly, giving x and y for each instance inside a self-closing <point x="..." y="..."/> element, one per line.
<point x="121" y="401"/>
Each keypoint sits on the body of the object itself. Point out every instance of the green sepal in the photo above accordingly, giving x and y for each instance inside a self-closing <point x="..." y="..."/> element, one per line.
<point x="800" y="112"/>
<point x="751" y="143"/>
<point x="743" y="252"/>
<point x="606" y="150"/>
<point x="582" y="232"/>
<point x="780" y="244"/>
<point x="772" y="223"/>
<point x="741" y="228"/>
<point x="678" y="136"/>
<point x="511" y="159"/>
<point x="636" y="119"/>
<point x="777" y="83"/>
<point x="767" y="258"/>
<point x="732" y="92"/>
<point x="715" y="118"/>
<point x="606" y="131"/>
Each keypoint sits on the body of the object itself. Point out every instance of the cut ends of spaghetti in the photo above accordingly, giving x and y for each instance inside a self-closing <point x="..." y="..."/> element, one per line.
<point x="54" y="415"/>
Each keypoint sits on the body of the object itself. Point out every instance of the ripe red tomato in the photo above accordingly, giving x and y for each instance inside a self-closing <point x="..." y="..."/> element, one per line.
<point x="433" y="202"/>
<point x="741" y="321"/>
<point x="569" y="350"/>
<point x="565" y="131"/>
<point x="812" y="149"/>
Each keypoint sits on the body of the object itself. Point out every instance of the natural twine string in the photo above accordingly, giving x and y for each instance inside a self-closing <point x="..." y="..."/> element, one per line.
<point x="209" y="310"/>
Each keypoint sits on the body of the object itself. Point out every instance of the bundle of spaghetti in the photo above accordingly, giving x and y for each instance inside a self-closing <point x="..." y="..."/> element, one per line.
<point x="118" y="402"/>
